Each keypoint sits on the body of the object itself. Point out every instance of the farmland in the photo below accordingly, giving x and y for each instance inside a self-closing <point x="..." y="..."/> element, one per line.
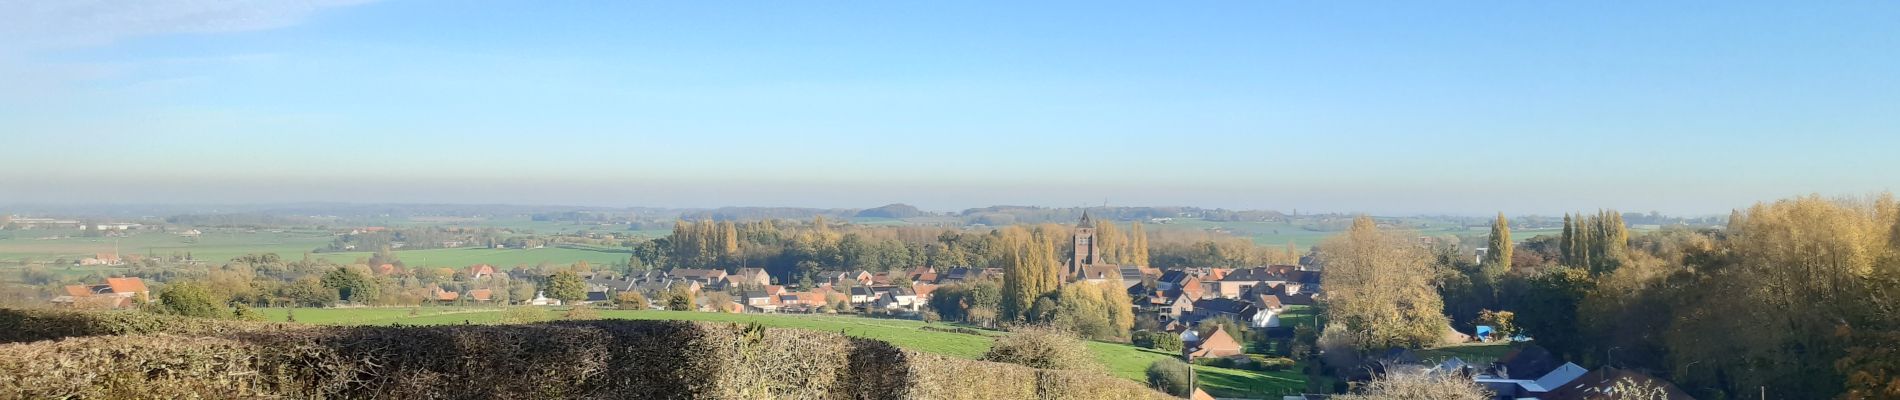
<point x="46" y="246"/>
<point x="1120" y="359"/>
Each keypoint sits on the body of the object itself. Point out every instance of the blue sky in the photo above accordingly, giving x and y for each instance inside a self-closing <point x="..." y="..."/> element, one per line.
<point x="1387" y="107"/>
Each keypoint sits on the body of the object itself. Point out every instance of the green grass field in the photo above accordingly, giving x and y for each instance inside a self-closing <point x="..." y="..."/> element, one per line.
<point x="1119" y="359"/>
<point x="1471" y="353"/>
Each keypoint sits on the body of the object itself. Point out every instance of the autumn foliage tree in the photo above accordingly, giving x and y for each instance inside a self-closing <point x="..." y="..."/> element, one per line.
<point x="1029" y="270"/>
<point x="1379" y="286"/>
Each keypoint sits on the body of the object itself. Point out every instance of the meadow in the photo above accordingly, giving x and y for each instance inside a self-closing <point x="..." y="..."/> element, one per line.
<point x="1119" y="359"/>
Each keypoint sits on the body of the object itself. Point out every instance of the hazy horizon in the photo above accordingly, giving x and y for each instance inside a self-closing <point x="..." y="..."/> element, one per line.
<point x="1389" y="109"/>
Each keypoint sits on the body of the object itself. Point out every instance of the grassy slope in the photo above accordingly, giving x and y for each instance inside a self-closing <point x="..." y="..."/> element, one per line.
<point x="1120" y="359"/>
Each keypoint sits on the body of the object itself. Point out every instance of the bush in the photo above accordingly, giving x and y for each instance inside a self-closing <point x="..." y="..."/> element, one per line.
<point x="189" y="299"/>
<point x="244" y="312"/>
<point x="928" y="315"/>
<point x="631" y="300"/>
<point x="1042" y="347"/>
<point x="569" y="359"/>
<point x="1264" y="363"/>
<point x="1419" y="386"/>
<point x="523" y="315"/>
<point x="1217" y="362"/>
<point x="962" y="330"/>
<point x="1169" y="376"/>
<point x="580" y="313"/>
<point x="1161" y="341"/>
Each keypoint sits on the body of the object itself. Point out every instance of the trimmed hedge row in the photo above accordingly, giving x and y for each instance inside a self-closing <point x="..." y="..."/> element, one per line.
<point x="585" y="359"/>
<point x="20" y="325"/>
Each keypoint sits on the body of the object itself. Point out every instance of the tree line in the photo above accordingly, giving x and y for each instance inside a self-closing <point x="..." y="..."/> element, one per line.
<point x="1791" y="299"/>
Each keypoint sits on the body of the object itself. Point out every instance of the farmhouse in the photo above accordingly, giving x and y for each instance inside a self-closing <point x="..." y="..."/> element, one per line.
<point x="116" y="293"/>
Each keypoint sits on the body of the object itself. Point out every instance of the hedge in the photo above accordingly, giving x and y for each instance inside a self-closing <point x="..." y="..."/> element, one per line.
<point x="165" y="357"/>
<point x="18" y="325"/>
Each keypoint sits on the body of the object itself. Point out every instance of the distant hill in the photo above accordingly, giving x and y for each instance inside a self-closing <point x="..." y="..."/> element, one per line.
<point x="897" y="210"/>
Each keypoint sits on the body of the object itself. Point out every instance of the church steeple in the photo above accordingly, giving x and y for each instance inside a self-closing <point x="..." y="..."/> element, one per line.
<point x="1085" y="252"/>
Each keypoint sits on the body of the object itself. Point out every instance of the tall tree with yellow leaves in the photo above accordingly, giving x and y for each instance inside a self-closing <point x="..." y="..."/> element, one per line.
<point x="1379" y="287"/>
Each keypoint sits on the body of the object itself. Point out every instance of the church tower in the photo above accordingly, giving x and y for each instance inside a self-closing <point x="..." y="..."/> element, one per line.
<point x="1086" y="253"/>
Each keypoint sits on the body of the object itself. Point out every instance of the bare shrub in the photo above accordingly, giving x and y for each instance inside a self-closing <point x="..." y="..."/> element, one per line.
<point x="1042" y="347"/>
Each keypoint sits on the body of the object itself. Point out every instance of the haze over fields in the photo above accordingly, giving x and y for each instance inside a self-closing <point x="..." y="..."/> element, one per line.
<point x="1685" y="108"/>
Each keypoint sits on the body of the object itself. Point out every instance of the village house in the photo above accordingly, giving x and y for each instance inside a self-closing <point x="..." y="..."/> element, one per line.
<point x="898" y="299"/>
<point x="1217" y="344"/>
<point x="921" y="274"/>
<point x="1100" y="274"/>
<point x="750" y="276"/>
<point x="481" y="271"/>
<point x="115" y="293"/>
<point x="1242" y="311"/>
<point x="1601" y="384"/>
<point x="861" y="295"/>
<point x="1290" y="280"/>
<point x="1133" y="274"/>
<point x="841" y="278"/>
<point x="705" y="277"/>
<point x="760" y="300"/>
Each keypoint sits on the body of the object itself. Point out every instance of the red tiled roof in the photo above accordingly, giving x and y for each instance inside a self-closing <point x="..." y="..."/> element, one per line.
<point x="923" y="289"/>
<point x="78" y="290"/>
<point x="126" y="285"/>
<point x="1217" y="344"/>
<point x="481" y="269"/>
<point x="481" y="295"/>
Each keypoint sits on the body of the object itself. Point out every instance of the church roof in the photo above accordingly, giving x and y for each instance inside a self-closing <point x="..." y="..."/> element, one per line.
<point x="1085" y="220"/>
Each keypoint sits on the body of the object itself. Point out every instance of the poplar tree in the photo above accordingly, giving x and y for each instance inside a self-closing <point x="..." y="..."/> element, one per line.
<point x="1029" y="270"/>
<point x="1138" y="244"/>
<point x="1565" y="250"/>
<point x="1497" y="260"/>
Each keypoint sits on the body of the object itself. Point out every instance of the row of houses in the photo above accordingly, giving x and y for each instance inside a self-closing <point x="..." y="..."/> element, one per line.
<point x="1255" y="295"/>
<point x="905" y="291"/>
